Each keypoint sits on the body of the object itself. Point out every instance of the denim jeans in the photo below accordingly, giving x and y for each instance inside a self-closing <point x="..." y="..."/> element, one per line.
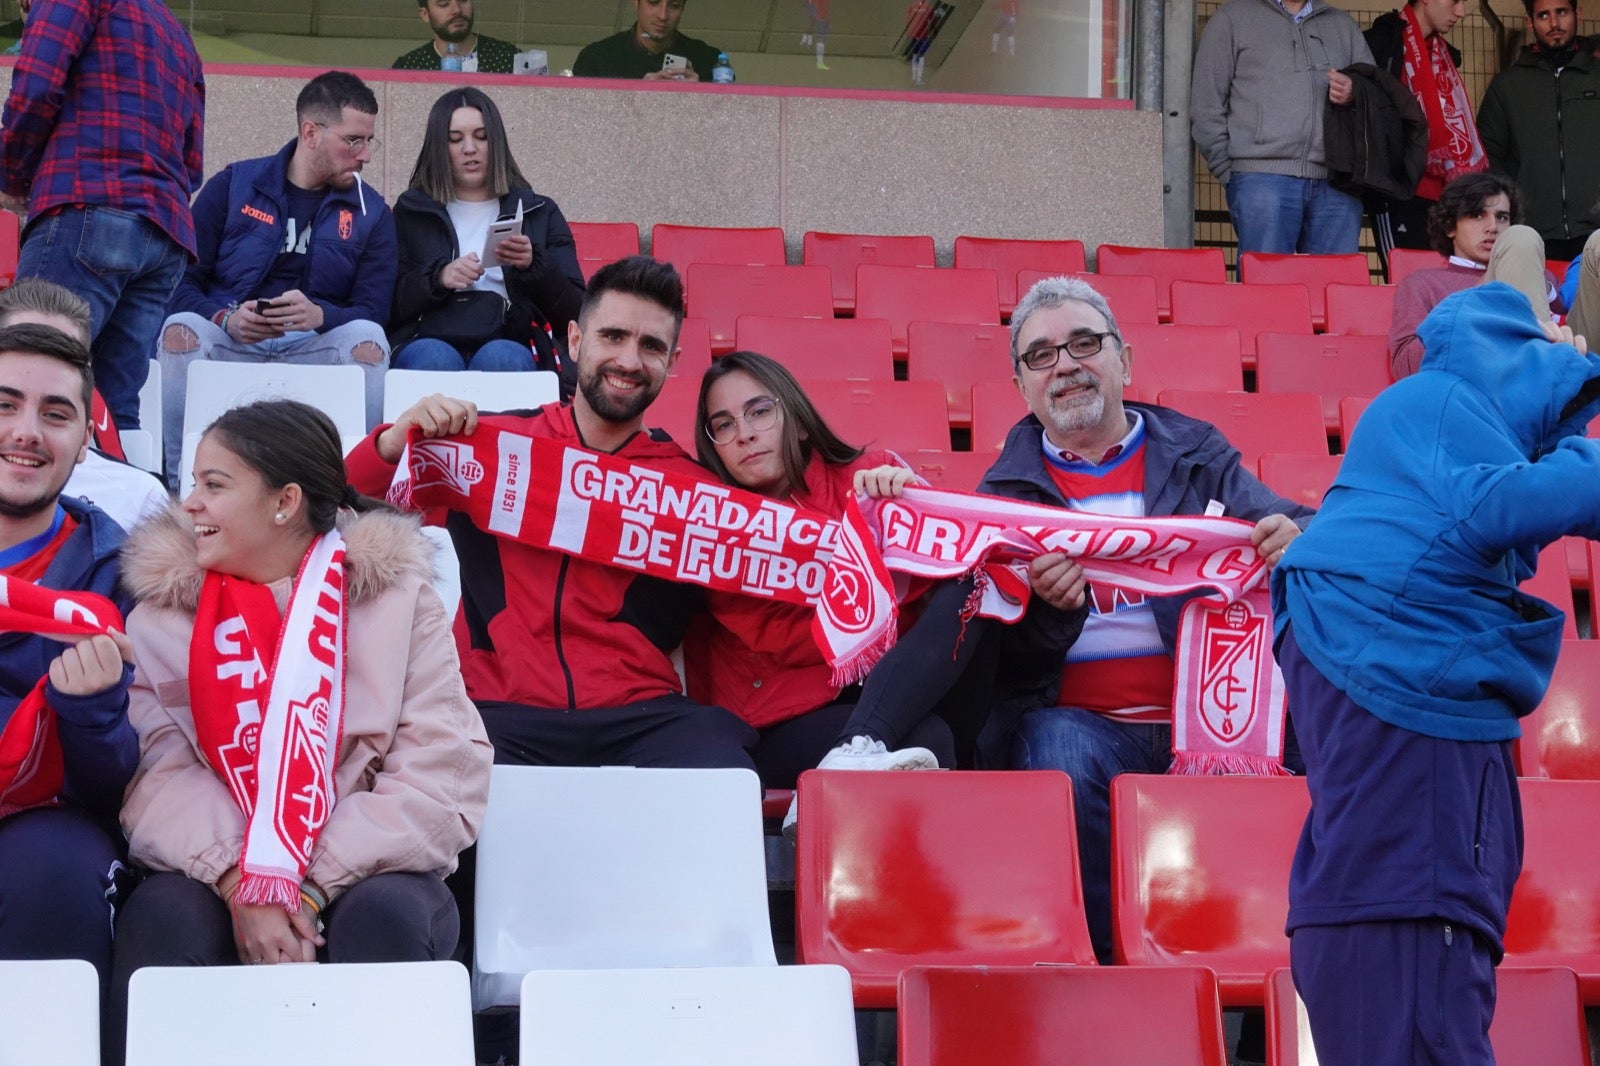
<point x="127" y="268"/>
<point x="1277" y="213"/>
<point x="430" y="353"/>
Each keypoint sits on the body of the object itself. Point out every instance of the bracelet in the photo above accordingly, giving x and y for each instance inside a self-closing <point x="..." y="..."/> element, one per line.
<point x="224" y="323"/>
<point x="312" y="895"/>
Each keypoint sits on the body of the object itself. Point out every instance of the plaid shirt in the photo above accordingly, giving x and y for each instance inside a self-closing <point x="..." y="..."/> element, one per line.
<point x="107" y="106"/>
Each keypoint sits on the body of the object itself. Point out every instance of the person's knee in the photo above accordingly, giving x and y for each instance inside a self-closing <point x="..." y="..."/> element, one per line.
<point x="369" y="352"/>
<point x="178" y="339"/>
<point x="1591" y="253"/>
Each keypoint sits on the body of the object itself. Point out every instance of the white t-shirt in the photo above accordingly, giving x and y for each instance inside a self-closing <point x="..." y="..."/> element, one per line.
<point x="471" y="219"/>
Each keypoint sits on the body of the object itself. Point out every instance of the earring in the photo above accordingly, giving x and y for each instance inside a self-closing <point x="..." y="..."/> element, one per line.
<point x="279" y="517"/>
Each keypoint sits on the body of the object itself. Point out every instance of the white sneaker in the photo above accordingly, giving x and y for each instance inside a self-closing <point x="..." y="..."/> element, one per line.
<point x="863" y="753"/>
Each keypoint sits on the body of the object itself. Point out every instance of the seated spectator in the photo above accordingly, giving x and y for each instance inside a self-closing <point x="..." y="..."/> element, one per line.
<point x="393" y="773"/>
<point x="297" y="257"/>
<point x="1476" y="225"/>
<point x="652" y="48"/>
<point x="118" y="488"/>
<point x="452" y="309"/>
<point x="451" y="23"/>
<point x="66" y="747"/>
<point x="1082" y="447"/>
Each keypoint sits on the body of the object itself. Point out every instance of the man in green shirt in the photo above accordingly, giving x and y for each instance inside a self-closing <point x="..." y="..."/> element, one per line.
<point x="451" y="23"/>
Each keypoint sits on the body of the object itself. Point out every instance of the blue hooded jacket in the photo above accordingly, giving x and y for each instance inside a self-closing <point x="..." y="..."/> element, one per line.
<point x="1404" y="592"/>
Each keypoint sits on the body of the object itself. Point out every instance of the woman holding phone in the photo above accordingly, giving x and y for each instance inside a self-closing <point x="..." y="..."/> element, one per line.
<point x="488" y="275"/>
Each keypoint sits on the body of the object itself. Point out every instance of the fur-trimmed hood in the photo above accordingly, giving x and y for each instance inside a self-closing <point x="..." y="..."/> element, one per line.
<point x="160" y="565"/>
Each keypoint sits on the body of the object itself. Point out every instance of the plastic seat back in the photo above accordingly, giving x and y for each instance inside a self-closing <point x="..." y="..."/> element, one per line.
<point x="490" y="390"/>
<point x="10" y="248"/>
<point x="1555" y="910"/>
<point x="821" y="347"/>
<point x="1332" y="367"/>
<point x="1165" y="265"/>
<point x="1200" y="874"/>
<point x="1252" y="309"/>
<point x="739" y="245"/>
<point x="841" y="253"/>
<point x="1350" y="409"/>
<point x="950" y="868"/>
<point x="396" y="1013"/>
<point x="599" y="243"/>
<point x="1205" y="358"/>
<point x="617" y="867"/>
<point x="778" y="1015"/>
<point x="1315" y="272"/>
<point x="1132" y="296"/>
<point x="1060" y="1016"/>
<point x="1364" y="309"/>
<point x="1551" y="582"/>
<point x="1302" y="478"/>
<point x="49" y="1011"/>
<point x="960" y="471"/>
<point x="1257" y="422"/>
<point x="959" y="355"/>
<point x="1403" y="261"/>
<point x="906" y="416"/>
<point x="1007" y="256"/>
<point x="721" y="292"/>
<point x="911" y="294"/>
<point x="1561" y="739"/>
<point x="996" y="407"/>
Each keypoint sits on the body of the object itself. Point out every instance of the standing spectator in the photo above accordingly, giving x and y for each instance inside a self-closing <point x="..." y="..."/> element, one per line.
<point x="297" y="259"/>
<point x="464" y="181"/>
<point x="652" y="48"/>
<point x="102" y="139"/>
<point x="1261" y="75"/>
<point x="1409" y="44"/>
<point x="451" y="23"/>
<point x="1541" y="124"/>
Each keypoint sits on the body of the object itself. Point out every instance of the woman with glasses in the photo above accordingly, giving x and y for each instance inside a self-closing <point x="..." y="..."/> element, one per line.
<point x="756" y="429"/>
<point x="488" y="275"/>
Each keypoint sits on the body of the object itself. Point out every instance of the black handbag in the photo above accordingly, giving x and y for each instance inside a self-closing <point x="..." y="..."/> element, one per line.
<point x="466" y="319"/>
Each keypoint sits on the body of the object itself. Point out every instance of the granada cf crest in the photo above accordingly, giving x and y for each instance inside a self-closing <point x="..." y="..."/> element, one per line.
<point x="448" y="461"/>
<point x="347" y="224"/>
<point x="1233" y="642"/>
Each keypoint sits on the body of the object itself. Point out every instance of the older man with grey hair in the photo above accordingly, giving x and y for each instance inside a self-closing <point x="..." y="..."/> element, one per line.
<point x="1082" y="447"/>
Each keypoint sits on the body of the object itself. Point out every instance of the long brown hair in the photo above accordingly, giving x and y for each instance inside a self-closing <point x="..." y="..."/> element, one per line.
<point x="432" y="172"/>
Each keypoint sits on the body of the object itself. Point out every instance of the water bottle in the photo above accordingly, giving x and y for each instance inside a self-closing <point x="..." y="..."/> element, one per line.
<point x="722" y="73"/>
<point x="451" y="60"/>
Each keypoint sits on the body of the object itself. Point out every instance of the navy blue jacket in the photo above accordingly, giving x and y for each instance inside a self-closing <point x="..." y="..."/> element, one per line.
<point x="1404" y="593"/>
<point x="98" y="744"/>
<point x="239" y="230"/>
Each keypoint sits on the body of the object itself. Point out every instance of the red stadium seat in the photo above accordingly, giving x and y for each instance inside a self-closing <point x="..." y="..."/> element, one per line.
<point x="1350" y="409"/>
<point x="1257" y="423"/>
<point x="1059" y="1016"/>
<point x="1315" y="272"/>
<point x="1132" y="296"/>
<point x="905" y="416"/>
<point x="1538" y="1020"/>
<point x="1330" y="366"/>
<point x="1561" y="739"/>
<point x="960" y="471"/>
<point x="1182" y="357"/>
<point x="1551" y="583"/>
<point x="843" y="252"/>
<point x="1578" y="569"/>
<point x="1403" y="261"/>
<point x="1555" y="910"/>
<point x="1166" y="265"/>
<point x="720" y="293"/>
<point x="1365" y="309"/>
<point x="913" y="294"/>
<point x="673" y="409"/>
<point x="960" y="355"/>
<point x="1302" y="478"/>
<point x="821" y="347"/>
<point x="931" y="869"/>
<point x="1200" y="874"/>
<point x="1253" y="309"/>
<point x="694" y="350"/>
<point x="10" y="247"/>
<point x="599" y="243"/>
<point x="1007" y="256"/>
<point x="995" y="409"/>
<point x="682" y="245"/>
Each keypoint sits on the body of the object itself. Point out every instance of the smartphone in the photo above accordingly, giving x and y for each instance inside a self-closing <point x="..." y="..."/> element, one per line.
<point x="672" y="62"/>
<point x="263" y="305"/>
<point x="499" y="230"/>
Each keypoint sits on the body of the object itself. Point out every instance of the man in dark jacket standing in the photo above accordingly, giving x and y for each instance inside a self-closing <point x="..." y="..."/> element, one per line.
<point x="1540" y="121"/>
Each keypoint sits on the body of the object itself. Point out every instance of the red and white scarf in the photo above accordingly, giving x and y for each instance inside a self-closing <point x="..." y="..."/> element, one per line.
<point x="1454" y="148"/>
<point x="605" y="509"/>
<point x="31" y="767"/>
<point x="268" y="701"/>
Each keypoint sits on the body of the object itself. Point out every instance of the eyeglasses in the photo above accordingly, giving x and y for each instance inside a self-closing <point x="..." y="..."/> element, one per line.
<point x="1083" y="346"/>
<point x="760" y="414"/>
<point x="355" y="144"/>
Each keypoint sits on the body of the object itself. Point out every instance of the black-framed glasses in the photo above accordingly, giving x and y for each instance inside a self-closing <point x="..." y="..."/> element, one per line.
<point x="1082" y="346"/>
<point x="760" y="414"/>
<point x="355" y="144"/>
